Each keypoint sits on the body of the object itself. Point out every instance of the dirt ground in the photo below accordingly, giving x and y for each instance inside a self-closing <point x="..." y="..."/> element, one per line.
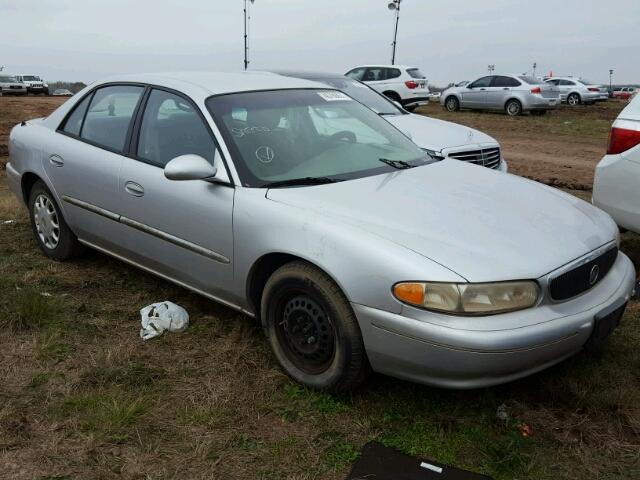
<point x="82" y="397"/>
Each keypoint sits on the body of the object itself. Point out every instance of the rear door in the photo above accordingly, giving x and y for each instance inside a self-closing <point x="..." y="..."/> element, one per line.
<point x="180" y="229"/>
<point x="474" y="95"/>
<point x="84" y="158"/>
<point x="500" y="91"/>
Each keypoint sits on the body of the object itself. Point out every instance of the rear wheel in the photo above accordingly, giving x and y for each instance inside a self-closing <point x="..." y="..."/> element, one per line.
<point x="54" y="237"/>
<point x="452" y="104"/>
<point x="312" y="329"/>
<point x="573" y="99"/>
<point x="513" y="108"/>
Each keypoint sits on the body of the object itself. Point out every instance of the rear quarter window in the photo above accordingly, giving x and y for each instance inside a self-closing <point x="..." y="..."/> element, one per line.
<point x="415" y="73"/>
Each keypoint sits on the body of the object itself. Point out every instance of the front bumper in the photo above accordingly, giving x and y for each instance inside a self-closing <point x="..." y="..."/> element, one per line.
<point x="419" y="100"/>
<point x="447" y="351"/>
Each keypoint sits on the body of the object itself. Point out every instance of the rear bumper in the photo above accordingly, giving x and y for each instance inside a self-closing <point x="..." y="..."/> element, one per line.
<point x="615" y="189"/>
<point x="436" y="354"/>
<point x="13" y="179"/>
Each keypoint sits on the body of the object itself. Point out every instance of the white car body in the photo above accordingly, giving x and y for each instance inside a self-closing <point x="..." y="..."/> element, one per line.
<point x="402" y="83"/>
<point x="616" y="186"/>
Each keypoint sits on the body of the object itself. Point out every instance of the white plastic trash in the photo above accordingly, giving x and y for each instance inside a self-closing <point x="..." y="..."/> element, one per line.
<point x="158" y="317"/>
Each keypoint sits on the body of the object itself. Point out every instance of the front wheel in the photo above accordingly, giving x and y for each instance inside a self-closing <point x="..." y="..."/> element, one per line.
<point x="513" y="108"/>
<point x="452" y="104"/>
<point x="54" y="237"/>
<point x="312" y="329"/>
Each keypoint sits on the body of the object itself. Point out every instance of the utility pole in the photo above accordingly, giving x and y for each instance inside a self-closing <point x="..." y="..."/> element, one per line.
<point x="534" y="69"/>
<point x="246" y="36"/>
<point x="491" y="68"/>
<point x="610" y="80"/>
<point x="395" y="5"/>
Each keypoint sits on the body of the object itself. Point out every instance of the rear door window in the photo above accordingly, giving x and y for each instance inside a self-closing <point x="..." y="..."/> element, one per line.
<point x="171" y="126"/>
<point x="109" y="116"/>
<point x="501" y="81"/>
<point x="415" y="73"/>
<point x="374" y="74"/>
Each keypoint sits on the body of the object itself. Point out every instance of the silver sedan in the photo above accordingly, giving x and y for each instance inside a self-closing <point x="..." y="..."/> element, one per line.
<point x="513" y="94"/>
<point x="353" y="247"/>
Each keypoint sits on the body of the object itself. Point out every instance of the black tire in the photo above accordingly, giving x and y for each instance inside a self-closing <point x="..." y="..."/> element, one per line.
<point x="312" y="329"/>
<point x="574" y="99"/>
<point x="67" y="245"/>
<point x="513" y="108"/>
<point x="410" y="108"/>
<point x="538" y="113"/>
<point x="452" y="104"/>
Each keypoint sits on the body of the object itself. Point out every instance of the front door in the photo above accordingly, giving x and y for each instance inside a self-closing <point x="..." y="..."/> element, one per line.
<point x="475" y="94"/>
<point x="180" y="229"/>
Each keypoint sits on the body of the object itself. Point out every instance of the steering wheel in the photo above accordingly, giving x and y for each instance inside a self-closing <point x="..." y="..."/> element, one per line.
<point x="350" y="137"/>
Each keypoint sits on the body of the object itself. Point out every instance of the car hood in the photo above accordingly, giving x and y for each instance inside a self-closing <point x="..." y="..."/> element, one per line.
<point x="481" y="224"/>
<point x="435" y="134"/>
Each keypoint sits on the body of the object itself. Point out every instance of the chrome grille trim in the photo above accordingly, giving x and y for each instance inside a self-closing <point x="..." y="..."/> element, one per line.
<point x="486" y="157"/>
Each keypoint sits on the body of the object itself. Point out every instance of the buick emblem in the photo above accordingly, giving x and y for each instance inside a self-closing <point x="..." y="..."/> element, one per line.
<point x="593" y="274"/>
<point x="265" y="154"/>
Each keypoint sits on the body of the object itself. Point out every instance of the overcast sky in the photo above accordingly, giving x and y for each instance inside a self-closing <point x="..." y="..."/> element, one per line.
<point x="450" y="40"/>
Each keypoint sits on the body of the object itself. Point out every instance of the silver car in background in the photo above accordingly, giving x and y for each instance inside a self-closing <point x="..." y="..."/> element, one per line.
<point x="353" y="248"/>
<point x="514" y="94"/>
<point x="11" y="86"/>
<point x="574" y="91"/>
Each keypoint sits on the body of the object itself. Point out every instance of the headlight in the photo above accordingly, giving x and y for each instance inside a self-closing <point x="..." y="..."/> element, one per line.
<point x="45" y="85"/>
<point x="469" y="298"/>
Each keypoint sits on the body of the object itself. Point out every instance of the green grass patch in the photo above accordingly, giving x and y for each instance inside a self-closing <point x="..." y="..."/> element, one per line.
<point x="321" y="402"/>
<point x="338" y="456"/>
<point x="27" y="309"/>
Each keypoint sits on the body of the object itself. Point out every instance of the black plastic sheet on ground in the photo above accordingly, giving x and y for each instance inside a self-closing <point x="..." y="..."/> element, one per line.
<point x="378" y="462"/>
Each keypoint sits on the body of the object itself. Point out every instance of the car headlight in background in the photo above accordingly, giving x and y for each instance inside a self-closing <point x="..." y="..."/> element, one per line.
<point x="469" y="298"/>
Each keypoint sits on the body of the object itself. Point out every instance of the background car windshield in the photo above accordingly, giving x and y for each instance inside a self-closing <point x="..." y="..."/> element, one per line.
<point x="415" y="73"/>
<point x="291" y="134"/>
<point x="364" y="94"/>
<point x="6" y="79"/>
<point x="30" y="78"/>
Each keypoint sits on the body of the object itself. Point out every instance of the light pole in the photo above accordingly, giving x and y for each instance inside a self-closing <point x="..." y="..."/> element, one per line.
<point x="610" y="80"/>
<point x="246" y="41"/>
<point x="491" y="68"/>
<point x="534" y="69"/>
<point x="395" y="5"/>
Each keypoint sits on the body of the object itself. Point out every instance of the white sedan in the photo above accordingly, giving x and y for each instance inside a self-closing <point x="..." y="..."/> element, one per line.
<point x="616" y="187"/>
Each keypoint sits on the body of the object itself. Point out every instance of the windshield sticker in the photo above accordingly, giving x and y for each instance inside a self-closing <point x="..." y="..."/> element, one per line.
<point x="265" y="154"/>
<point x="333" y="96"/>
<point x="241" y="132"/>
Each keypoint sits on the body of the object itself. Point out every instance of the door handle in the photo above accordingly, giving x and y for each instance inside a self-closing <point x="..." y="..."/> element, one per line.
<point x="506" y="88"/>
<point x="56" y="160"/>
<point x="134" y="189"/>
<point x="483" y="89"/>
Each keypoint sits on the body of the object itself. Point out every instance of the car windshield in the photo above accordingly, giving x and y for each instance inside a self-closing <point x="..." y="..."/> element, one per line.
<point x="287" y="135"/>
<point x="30" y="78"/>
<point x="415" y="73"/>
<point x="7" y="79"/>
<point x="363" y="94"/>
<point x="530" y="80"/>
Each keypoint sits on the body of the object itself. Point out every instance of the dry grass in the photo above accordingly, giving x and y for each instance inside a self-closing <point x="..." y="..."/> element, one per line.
<point x="81" y="396"/>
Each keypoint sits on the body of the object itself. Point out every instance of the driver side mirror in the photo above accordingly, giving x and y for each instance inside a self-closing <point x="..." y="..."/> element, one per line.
<point x="189" y="167"/>
<point x="469" y="86"/>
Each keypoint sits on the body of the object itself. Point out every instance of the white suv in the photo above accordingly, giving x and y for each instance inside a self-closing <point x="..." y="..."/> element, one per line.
<point x="403" y="84"/>
<point x="34" y="84"/>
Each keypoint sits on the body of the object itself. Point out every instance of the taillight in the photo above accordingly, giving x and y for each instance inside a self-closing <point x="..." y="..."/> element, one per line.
<point x="593" y="89"/>
<point x="622" y="139"/>
<point x="411" y="84"/>
<point x="536" y="90"/>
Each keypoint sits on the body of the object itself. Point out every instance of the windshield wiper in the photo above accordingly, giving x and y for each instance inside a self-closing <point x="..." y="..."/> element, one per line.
<point x="293" y="182"/>
<point x="399" y="164"/>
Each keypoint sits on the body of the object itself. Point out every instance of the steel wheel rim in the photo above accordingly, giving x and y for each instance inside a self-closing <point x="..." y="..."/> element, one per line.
<point x="451" y="104"/>
<point x="305" y="333"/>
<point x="46" y="221"/>
<point x="573" y="100"/>
<point x="513" y="108"/>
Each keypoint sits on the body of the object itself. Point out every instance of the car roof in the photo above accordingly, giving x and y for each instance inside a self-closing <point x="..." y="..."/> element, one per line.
<point x="378" y="65"/>
<point x="205" y="84"/>
<point x="308" y="75"/>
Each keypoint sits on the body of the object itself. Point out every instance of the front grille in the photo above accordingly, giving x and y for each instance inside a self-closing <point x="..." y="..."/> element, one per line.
<point x="486" y="157"/>
<point x="580" y="279"/>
